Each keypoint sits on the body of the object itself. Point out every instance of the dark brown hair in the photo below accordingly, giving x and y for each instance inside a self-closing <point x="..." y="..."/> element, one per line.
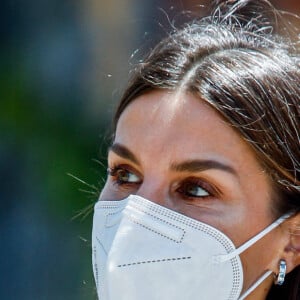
<point x="237" y="61"/>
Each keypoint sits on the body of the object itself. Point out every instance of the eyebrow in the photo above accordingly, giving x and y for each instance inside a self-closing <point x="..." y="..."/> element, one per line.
<point x="201" y="165"/>
<point x="123" y="152"/>
<point x="197" y="165"/>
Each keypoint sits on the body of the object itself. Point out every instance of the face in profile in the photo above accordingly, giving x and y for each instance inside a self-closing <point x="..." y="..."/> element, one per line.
<point x="177" y="151"/>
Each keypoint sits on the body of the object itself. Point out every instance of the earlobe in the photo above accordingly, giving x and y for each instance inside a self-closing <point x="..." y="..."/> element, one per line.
<point x="292" y="250"/>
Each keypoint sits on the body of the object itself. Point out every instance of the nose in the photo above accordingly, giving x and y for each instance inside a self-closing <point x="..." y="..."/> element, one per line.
<point x="157" y="192"/>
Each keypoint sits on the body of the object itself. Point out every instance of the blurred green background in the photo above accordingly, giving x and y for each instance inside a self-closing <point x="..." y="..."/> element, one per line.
<point x="63" y="67"/>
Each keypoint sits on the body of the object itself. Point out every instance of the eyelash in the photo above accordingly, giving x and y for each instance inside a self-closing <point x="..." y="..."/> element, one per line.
<point x="115" y="171"/>
<point x="182" y="189"/>
<point x="193" y="182"/>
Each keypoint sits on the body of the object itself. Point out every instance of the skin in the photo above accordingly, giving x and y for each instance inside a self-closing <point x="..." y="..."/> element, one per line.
<point x="175" y="150"/>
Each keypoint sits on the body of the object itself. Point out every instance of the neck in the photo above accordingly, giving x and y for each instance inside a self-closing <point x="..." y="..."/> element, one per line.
<point x="261" y="292"/>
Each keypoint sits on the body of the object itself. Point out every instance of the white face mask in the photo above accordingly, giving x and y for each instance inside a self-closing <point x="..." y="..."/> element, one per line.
<point x="142" y="250"/>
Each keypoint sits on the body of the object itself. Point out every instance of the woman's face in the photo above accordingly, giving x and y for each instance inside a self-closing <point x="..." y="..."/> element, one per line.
<point x="175" y="150"/>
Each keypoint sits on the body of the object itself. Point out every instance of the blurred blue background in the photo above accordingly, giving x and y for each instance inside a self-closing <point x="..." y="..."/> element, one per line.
<point x="63" y="67"/>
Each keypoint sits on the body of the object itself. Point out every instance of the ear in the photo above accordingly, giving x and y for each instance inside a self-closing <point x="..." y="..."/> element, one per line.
<point x="291" y="251"/>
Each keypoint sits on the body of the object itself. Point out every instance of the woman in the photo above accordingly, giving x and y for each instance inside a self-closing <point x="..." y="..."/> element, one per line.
<point x="205" y="167"/>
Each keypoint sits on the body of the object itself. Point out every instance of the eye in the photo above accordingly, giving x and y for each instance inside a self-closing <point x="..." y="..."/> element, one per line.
<point x="196" y="191"/>
<point x="195" y="188"/>
<point x="123" y="175"/>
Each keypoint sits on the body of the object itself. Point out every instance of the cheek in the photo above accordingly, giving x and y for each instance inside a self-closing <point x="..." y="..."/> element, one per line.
<point x="107" y="193"/>
<point x="256" y="260"/>
<point x="112" y="192"/>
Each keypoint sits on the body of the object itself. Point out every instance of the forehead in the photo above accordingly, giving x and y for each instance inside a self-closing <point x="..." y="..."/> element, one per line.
<point x="168" y="105"/>
<point x="168" y="123"/>
<point x="175" y="113"/>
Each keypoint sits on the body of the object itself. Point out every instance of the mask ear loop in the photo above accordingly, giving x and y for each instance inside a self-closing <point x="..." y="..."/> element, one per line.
<point x="255" y="285"/>
<point x="279" y="280"/>
<point x="225" y="257"/>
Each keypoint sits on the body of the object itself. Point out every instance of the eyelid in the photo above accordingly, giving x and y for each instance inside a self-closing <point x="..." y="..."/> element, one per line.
<point x="123" y="152"/>
<point x="121" y="156"/>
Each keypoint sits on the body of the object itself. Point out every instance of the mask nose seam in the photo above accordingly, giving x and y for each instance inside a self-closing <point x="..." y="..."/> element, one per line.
<point x="180" y="232"/>
<point x="159" y="233"/>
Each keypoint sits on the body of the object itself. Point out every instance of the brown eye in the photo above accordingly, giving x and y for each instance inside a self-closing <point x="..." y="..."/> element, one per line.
<point x="122" y="175"/>
<point x="195" y="188"/>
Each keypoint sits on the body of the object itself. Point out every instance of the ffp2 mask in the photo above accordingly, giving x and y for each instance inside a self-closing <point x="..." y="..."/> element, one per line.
<point x="142" y="250"/>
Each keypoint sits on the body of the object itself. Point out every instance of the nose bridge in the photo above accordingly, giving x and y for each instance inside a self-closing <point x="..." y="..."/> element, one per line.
<point x="155" y="190"/>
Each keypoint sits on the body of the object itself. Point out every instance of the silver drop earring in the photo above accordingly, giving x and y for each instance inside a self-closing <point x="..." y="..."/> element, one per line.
<point x="279" y="280"/>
